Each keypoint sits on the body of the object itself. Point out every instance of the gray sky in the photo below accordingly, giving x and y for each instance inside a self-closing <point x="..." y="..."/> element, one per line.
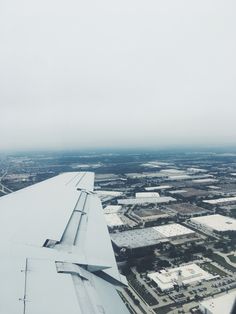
<point x="117" y="73"/>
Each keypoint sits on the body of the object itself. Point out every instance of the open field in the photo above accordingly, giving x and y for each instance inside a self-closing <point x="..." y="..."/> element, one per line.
<point x="232" y="258"/>
<point x="213" y="269"/>
<point x="221" y="261"/>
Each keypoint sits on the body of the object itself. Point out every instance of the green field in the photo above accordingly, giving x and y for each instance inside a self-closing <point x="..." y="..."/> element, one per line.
<point x="232" y="258"/>
<point x="221" y="261"/>
<point x="213" y="269"/>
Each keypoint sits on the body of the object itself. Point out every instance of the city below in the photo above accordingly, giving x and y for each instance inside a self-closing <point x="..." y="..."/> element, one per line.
<point x="171" y="217"/>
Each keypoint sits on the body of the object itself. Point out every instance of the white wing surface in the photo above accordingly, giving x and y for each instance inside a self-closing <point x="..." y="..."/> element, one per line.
<point x="56" y="253"/>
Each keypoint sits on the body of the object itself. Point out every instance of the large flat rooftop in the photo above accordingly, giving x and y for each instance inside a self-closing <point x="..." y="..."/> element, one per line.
<point x="149" y="212"/>
<point x="158" y="187"/>
<point x="187" y="209"/>
<point x="221" y="200"/>
<point x="205" y="181"/>
<point x="149" y="236"/>
<point x="216" y="222"/>
<point x="146" y="200"/>
<point x="191" y="192"/>
<point x="219" y="305"/>
<point x="173" y="230"/>
<point x="137" y="238"/>
<point x="112" y="209"/>
<point x="147" y="194"/>
<point x="113" y="220"/>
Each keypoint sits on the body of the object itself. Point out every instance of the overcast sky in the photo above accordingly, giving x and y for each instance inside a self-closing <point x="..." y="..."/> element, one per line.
<point x="117" y="73"/>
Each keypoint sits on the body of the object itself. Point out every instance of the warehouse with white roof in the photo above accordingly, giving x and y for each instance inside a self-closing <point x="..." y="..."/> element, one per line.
<point x="113" y="220"/>
<point x="147" y="194"/>
<point x="112" y="209"/>
<point x="152" y="236"/>
<point x="146" y="200"/>
<point x="159" y="187"/>
<point x="221" y="200"/>
<point x="112" y="216"/>
<point x="215" y="222"/>
<point x="173" y="231"/>
<point x="219" y="305"/>
<point x="137" y="238"/>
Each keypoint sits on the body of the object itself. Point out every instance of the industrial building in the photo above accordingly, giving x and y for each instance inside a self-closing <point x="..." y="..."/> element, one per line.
<point x="205" y="181"/>
<point x="146" y="200"/>
<point x="215" y="222"/>
<point x="191" y="192"/>
<point x="113" y="217"/>
<point x="173" y="231"/>
<point x="148" y="214"/>
<point x="181" y="276"/>
<point x="223" y="304"/>
<point x="187" y="210"/>
<point x="147" y="194"/>
<point x="112" y="209"/>
<point x="148" y="237"/>
<point x="173" y="171"/>
<point x="137" y="238"/>
<point x="113" y="220"/>
<point x="159" y="187"/>
<point x="221" y="200"/>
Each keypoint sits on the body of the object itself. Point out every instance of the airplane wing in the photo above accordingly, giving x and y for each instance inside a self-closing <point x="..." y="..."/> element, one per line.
<point x="56" y="253"/>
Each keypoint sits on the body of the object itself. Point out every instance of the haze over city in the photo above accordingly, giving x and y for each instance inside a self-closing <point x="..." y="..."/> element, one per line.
<point x="126" y="73"/>
<point x="118" y="157"/>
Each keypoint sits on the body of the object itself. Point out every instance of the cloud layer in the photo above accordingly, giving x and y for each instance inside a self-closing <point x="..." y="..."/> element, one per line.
<point x="127" y="73"/>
